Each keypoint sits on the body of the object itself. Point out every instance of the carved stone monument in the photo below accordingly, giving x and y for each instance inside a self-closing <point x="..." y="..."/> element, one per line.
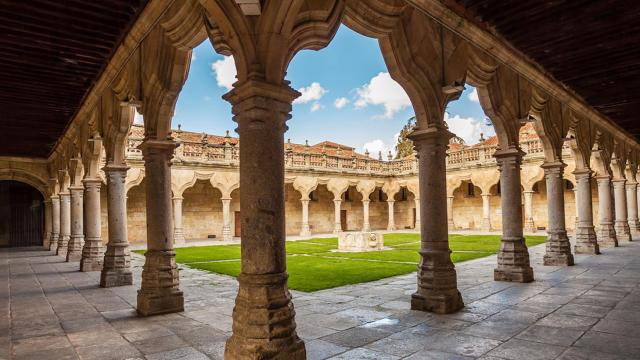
<point x="360" y="241"/>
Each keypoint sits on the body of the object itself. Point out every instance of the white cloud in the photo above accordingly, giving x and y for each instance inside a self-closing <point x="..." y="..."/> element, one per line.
<point x="377" y="145"/>
<point x="313" y="92"/>
<point x="383" y="90"/>
<point x="469" y="129"/>
<point x="315" y="107"/>
<point x="225" y="71"/>
<point x="340" y="102"/>
<point x="473" y="96"/>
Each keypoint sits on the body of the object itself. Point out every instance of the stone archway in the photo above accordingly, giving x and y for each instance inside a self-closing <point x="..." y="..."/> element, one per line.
<point x="202" y="212"/>
<point x="21" y="214"/>
<point x="467" y="206"/>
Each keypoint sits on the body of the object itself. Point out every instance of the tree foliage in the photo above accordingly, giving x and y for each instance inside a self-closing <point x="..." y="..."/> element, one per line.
<point x="404" y="146"/>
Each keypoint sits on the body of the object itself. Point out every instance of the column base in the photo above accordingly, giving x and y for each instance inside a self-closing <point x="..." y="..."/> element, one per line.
<point x="634" y="228"/>
<point x="226" y="234"/>
<point x="586" y="241"/>
<point x="437" y="284"/>
<point x="74" y="248"/>
<point x="607" y="236"/>
<point x="115" y="277"/>
<point x="263" y="320"/>
<point x="391" y="228"/>
<point x="63" y="243"/>
<point x="53" y="243"/>
<point x="529" y="226"/>
<point x="90" y="264"/>
<point x="178" y="237"/>
<point x="486" y="225"/>
<point x="337" y="230"/>
<point x="437" y="303"/>
<point x="622" y="231"/>
<point x="159" y="292"/>
<point x="305" y="233"/>
<point x="74" y="255"/>
<point x="513" y="261"/>
<point x="92" y="255"/>
<point x="451" y="225"/>
<point x="558" y="249"/>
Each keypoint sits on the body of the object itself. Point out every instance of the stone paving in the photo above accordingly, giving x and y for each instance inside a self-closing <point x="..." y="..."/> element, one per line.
<point x="588" y="311"/>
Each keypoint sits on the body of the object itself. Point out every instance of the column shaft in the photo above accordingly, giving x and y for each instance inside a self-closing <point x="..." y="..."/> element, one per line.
<point x="486" y="212"/>
<point x="417" y="226"/>
<point x="160" y="289"/>
<point x="178" y="232"/>
<point x="116" y="269"/>
<point x="263" y="316"/>
<point x="391" y="222"/>
<point x="55" y="223"/>
<point x="76" y="241"/>
<point x="450" y="224"/>
<point x="305" y="230"/>
<point x="46" y="238"/>
<point x="558" y="247"/>
<point x="65" y="224"/>
<point x="529" y="224"/>
<point x="92" y="252"/>
<point x="365" y="212"/>
<point x="437" y="284"/>
<point x="337" y="228"/>
<point x="513" y="257"/>
<point x="606" y="232"/>
<point x="621" y="223"/>
<point x="586" y="239"/>
<point x="226" y="220"/>
<point x="632" y="208"/>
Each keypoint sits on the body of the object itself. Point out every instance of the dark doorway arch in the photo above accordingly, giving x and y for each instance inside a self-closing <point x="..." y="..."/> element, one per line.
<point x="21" y="214"/>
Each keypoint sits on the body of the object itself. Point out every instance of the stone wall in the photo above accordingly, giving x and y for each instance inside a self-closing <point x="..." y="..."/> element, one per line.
<point x="202" y="211"/>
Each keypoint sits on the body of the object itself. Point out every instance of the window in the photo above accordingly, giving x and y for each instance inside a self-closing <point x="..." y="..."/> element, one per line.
<point x="380" y="195"/>
<point x="346" y="196"/>
<point x="569" y="185"/>
<point x="471" y="192"/>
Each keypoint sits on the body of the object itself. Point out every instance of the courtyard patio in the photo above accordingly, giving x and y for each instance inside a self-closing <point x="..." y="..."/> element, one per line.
<point x="587" y="311"/>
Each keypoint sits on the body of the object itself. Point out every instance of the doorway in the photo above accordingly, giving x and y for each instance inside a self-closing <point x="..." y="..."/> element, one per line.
<point x="21" y="215"/>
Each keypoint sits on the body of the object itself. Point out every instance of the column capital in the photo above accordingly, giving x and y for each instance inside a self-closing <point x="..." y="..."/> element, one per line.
<point x="55" y="197"/>
<point x="558" y="164"/>
<point x="435" y="134"/>
<point x="485" y="195"/>
<point x="582" y="172"/>
<point x="602" y="178"/>
<point x="528" y="192"/>
<point x="512" y="151"/>
<point x="115" y="168"/>
<point x="91" y="181"/>
<point x="76" y="188"/>
<point x="619" y="181"/>
<point x="180" y="198"/>
<point x="150" y="147"/>
<point x="391" y="201"/>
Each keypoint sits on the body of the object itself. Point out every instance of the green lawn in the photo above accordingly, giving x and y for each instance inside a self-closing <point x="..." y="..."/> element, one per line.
<point x="312" y="265"/>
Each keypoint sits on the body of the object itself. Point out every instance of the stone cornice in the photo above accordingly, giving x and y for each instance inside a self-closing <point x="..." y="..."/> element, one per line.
<point x="506" y="54"/>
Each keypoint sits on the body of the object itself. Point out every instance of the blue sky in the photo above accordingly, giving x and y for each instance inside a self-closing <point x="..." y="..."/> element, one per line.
<point x="348" y="97"/>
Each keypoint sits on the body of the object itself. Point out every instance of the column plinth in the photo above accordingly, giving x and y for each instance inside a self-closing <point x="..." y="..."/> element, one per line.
<point x="65" y="225"/>
<point x="513" y="257"/>
<point x="178" y="232"/>
<point x="529" y="225"/>
<point x="226" y="219"/>
<point x="160" y="288"/>
<point x="76" y="241"/>
<point x="586" y="239"/>
<point x="486" y="213"/>
<point x="55" y="223"/>
<point x="632" y="208"/>
<point x="621" y="224"/>
<point x="558" y="247"/>
<point x="305" y="229"/>
<point x="606" y="233"/>
<point x="92" y="251"/>
<point x="437" y="283"/>
<point x="263" y="316"/>
<point x="116" y="269"/>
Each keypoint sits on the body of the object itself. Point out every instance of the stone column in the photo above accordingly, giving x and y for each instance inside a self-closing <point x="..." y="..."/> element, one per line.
<point x="178" y="234"/>
<point x="586" y="240"/>
<point x="450" y="224"/>
<point x="226" y="219"/>
<point x="92" y="252"/>
<point x="55" y="223"/>
<point x="606" y="233"/>
<point x="437" y="283"/>
<point x="76" y="241"/>
<point x="529" y="225"/>
<point x="576" y="204"/>
<point x="513" y="257"/>
<point x="337" y="228"/>
<point x="365" y="212"/>
<point x="621" y="224"/>
<point x="632" y="208"/>
<point x="116" y="269"/>
<point x="159" y="291"/>
<point x="391" y="222"/>
<point x="305" y="230"/>
<point x="48" y="218"/>
<point x="263" y="317"/>
<point x="486" y="212"/>
<point x="418" y="226"/>
<point x="65" y="224"/>
<point x="558" y="247"/>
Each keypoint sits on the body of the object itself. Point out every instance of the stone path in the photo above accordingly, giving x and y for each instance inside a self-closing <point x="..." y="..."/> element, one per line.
<point x="588" y="311"/>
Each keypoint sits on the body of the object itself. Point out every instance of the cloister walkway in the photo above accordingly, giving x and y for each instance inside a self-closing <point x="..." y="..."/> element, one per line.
<point x="588" y="311"/>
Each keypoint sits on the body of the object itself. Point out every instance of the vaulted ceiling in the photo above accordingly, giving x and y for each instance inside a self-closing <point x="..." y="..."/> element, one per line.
<point x="51" y="53"/>
<point x="593" y="47"/>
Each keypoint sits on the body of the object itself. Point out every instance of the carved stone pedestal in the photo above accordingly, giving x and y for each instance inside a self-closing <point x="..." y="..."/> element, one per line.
<point x="360" y="241"/>
<point x="160" y="293"/>
<point x="117" y="268"/>
<point x="513" y="261"/>
<point x="558" y="249"/>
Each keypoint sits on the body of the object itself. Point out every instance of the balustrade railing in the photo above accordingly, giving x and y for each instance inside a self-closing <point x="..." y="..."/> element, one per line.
<point x="227" y="154"/>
